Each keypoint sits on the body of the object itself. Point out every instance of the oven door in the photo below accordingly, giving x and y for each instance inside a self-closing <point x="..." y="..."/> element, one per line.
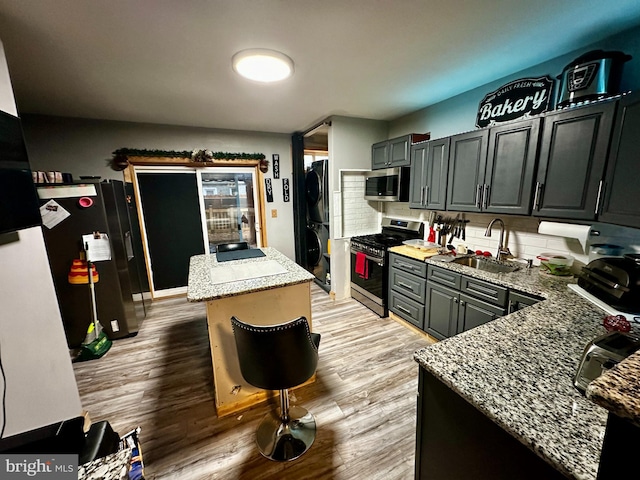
<point x="372" y="290"/>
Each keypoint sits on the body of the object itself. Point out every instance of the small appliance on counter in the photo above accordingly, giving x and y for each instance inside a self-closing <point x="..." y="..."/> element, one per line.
<point x="602" y="354"/>
<point x="594" y="75"/>
<point x="614" y="280"/>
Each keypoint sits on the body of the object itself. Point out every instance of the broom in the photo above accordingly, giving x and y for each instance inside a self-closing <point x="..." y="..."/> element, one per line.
<point x="96" y="343"/>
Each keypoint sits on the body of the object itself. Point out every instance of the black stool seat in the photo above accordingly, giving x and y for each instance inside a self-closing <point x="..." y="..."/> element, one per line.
<point x="279" y="357"/>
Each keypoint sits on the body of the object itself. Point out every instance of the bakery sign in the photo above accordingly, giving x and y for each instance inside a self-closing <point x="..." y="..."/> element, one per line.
<point x="518" y="99"/>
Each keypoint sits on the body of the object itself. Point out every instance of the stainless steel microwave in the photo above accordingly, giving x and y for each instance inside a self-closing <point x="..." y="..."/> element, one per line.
<point x="388" y="185"/>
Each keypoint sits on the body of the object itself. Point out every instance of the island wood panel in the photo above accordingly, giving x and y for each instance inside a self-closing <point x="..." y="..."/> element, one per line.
<point x="266" y="307"/>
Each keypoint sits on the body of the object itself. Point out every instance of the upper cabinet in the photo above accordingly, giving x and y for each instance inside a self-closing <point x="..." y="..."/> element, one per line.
<point x="573" y="154"/>
<point x="623" y="170"/>
<point x="492" y="170"/>
<point x="511" y="163"/>
<point x="429" y="167"/>
<point x="467" y="162"/>
<point x="394" y="152"/>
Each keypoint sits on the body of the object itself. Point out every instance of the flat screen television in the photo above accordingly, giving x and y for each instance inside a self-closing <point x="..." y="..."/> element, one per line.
<point x="19" y="206"/>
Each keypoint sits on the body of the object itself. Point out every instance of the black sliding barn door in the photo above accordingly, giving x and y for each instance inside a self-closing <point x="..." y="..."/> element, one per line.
<point x="173" y="225"/>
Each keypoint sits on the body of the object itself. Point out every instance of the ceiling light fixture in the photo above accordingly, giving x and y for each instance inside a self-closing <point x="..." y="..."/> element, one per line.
<point x="263" y="65"/>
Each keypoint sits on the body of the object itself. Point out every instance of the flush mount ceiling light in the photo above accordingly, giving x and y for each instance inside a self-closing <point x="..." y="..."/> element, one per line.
<point x="263" y="65"/>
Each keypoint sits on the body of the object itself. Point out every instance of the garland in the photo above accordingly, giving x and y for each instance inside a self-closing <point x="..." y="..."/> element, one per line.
<point x="132" y="152"/>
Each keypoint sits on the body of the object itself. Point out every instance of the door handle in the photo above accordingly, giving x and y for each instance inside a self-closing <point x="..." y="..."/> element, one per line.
<point x="478" y="194"/>
<point x="404" y="285"/>
<point x="485" y="196"/>
<point x="600" y="193"/>
<point x="422" y="195"/>
<point x="536" y="197"/>
<point x="426" y="196"/>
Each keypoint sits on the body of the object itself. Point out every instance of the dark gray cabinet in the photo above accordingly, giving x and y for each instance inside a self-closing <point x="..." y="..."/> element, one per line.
<point x="620" y="205"/>
<point x="492" y="170"/>
<point x="456" y="303"/>
<point x="429" y="168"/>
<point x="441" y="315"/>
<point x="511" y="163"/>
<point x="573" y="152"/>
<point x="407" y="283"/>
<point x="467" y="163"/>
<point x="518" y="301"/>
<point x="395" y="152"/>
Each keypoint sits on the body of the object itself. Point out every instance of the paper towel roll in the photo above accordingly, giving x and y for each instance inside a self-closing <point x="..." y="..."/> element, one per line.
<point x="567" y="230"/>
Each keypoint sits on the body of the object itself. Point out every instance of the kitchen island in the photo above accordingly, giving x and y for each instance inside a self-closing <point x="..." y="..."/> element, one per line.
<point x="263" y="291"/>
<point x="498" y="401"/>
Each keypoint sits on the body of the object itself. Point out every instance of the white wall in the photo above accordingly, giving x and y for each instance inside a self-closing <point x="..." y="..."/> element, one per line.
<point x="84" y="147"/>
<point x="350" y="141"/>
<point x="40" y="385"/>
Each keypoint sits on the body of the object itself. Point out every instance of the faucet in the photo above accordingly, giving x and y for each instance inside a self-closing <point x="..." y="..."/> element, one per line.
<point x="502" y="251"/>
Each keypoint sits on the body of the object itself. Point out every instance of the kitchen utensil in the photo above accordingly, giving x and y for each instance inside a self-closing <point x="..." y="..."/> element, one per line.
<point x="432" y="234"/>
<point x="602" y="354"/>
<point x="591" y="76"/>
<point x="555" y="264"/>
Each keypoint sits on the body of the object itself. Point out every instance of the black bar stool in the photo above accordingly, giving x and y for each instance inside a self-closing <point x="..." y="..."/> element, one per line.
<point x="279" y="357"/>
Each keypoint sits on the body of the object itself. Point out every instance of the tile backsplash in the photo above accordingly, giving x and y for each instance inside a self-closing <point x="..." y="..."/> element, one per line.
<point x="522" y="237"/>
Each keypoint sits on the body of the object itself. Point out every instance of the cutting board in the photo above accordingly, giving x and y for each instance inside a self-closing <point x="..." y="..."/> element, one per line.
<point x="413" y="252"/>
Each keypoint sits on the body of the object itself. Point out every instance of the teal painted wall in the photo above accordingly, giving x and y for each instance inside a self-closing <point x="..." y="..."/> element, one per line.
<point x="458" y="114"/>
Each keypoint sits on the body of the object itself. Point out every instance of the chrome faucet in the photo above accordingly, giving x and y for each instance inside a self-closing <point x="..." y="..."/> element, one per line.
<point x="502" y="251"/>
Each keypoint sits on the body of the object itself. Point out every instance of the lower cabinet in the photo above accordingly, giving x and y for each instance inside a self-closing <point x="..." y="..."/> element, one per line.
<point x="407" y="282"/>
<point x="444" y="303"/>
<point x="450" y="310"/>
<point x="518" y="301"/>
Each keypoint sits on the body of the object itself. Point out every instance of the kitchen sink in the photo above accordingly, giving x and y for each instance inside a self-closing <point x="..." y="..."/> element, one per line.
<point x="486" y="265"/>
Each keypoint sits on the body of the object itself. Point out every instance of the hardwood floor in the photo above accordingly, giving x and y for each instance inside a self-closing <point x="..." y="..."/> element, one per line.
<point x="364" y="398"/>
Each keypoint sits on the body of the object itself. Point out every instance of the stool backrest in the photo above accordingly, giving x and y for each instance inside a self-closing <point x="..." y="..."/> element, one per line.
<point x="276" y="357"/>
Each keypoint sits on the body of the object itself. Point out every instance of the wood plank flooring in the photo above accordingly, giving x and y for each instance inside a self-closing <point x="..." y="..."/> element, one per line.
<point x="364" y="398"/>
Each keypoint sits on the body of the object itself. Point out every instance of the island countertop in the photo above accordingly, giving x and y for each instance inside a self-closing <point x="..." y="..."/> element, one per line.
<point x="518" y="370"/>
<point x="201" y="288"/>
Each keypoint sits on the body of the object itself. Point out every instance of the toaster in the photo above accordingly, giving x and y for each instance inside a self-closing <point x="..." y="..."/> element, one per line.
<point x="603" y="353"/>
<point x="614" y="280"/>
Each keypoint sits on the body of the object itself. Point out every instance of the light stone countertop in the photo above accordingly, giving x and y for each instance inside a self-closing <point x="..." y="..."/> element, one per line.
<point x="519" y="369"/>
<point x="201" y="288"/>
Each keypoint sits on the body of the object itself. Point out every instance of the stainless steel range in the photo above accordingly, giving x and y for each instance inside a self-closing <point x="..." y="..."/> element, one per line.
<point x="370" y="261"/>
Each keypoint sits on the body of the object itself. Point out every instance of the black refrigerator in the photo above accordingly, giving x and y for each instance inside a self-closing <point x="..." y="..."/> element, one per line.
<point x="71" y="211"/>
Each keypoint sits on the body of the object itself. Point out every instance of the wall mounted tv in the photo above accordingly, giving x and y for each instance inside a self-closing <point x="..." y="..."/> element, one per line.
<point x="19" y="207"/>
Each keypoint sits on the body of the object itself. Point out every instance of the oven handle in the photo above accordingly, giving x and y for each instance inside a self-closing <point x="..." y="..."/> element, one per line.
<point x="378" y="260"/>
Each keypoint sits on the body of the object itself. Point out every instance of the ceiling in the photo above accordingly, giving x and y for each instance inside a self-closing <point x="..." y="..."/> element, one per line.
<point x="169" y="61"/>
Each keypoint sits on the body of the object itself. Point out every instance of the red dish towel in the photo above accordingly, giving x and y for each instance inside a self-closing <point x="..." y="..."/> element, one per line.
<point x="362" y="267"/>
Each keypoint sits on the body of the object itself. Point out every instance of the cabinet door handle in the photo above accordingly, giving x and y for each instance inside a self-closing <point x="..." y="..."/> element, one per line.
<point x="462" y="303"/>
<point x="455" y="300"/>
<point x="426" y="197"/>
<point x="485" y="196"/>
<point x="478" y="192"/>
<point x="536" y="197"/>
<point x="402" y="309"/>
<point x="404" y="285"/>
<point x="510" y="307"/>
<point x="422" y="195"/>
<point x="600" y="192"/>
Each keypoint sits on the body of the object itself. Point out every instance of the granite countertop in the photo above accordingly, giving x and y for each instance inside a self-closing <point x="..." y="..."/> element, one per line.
<point x="618" y="389"/>
<point x="519" y="369"/>
<point x="112" y="467"/>
<point x="202" y="268"/>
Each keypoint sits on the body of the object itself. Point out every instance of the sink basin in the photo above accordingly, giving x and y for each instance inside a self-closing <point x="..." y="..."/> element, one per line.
<point x="486" y="265"/>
